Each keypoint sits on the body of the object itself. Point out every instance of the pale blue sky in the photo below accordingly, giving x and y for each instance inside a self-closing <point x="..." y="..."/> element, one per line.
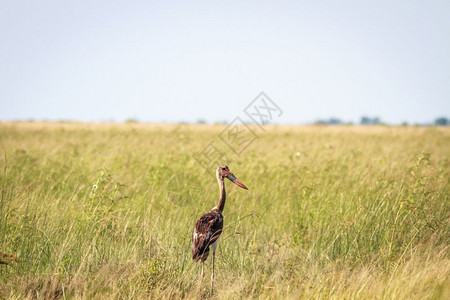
<point x="189" y="60"/>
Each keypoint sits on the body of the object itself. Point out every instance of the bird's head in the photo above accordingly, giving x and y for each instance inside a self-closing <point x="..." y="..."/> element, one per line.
<point x="223" y="172"/>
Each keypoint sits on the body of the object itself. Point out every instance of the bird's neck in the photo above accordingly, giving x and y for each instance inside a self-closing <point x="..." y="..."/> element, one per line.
<point x="223" y="195"/>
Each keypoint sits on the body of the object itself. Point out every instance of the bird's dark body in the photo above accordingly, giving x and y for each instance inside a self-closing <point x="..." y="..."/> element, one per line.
<point x="207" y="230"/>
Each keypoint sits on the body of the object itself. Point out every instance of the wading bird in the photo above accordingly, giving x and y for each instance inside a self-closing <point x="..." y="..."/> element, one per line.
<point x="209" y="227"/>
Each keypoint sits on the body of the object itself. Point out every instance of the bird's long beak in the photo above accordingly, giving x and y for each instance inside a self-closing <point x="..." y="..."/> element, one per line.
<point x="236" y="181"/>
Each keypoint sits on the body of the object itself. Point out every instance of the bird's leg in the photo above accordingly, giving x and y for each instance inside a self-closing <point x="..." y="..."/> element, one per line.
<point x="203" y="271"/>
<point x="212" y="275"/>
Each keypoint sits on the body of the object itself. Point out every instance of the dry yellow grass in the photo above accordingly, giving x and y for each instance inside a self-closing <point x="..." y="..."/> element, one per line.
<point x="332" y="212"/>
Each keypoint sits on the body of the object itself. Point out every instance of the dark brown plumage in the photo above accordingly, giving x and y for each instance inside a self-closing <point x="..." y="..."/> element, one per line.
<point x="209" y="227"/>
<point x="207" y="231"/>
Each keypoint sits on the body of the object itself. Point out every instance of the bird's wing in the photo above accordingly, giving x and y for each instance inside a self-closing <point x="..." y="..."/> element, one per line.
<point x="207" y="230"/>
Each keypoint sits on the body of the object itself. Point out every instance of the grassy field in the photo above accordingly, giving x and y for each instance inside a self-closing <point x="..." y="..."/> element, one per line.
<point x="107" y="211"/>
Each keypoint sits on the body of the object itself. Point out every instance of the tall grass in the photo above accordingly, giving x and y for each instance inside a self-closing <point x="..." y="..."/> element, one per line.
<point x="107" y="211"/>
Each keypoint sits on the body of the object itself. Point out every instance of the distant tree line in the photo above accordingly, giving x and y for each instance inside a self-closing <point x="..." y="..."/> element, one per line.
<point x="370" y="121"/>
<point x="330" y="121"/>
<point x="442" y="121"/>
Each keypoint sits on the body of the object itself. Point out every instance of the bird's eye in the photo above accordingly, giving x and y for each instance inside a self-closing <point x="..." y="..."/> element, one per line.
<point x="223" y="168"/>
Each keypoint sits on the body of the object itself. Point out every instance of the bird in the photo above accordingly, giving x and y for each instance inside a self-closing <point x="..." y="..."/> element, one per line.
<point x="209" y="227"/>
